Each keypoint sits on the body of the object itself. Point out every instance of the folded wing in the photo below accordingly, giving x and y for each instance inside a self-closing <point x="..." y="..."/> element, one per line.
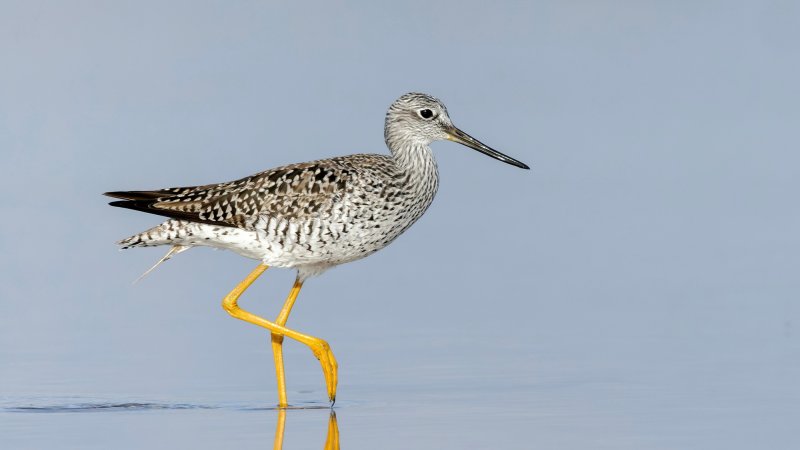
<point x="291" y="192"/>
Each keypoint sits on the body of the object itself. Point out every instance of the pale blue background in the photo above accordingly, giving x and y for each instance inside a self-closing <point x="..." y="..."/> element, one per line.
<point x="638" y="288"/>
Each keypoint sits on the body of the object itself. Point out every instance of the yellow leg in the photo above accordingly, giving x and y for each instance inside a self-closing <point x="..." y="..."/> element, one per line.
<point x="321" y="349"/>
<point x="277" y="343"/>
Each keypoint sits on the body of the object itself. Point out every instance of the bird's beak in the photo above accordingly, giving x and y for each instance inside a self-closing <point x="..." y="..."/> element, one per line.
<point x="456" y="135"/>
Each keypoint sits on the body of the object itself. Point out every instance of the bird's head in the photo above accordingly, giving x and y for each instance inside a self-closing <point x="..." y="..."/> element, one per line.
<point x="419" y="119"/>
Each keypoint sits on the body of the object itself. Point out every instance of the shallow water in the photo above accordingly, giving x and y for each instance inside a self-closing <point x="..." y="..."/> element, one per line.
<point x="615" y="390"/>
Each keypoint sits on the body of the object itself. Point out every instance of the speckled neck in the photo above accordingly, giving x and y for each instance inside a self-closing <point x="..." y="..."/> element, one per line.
<point x="416" y="162"/>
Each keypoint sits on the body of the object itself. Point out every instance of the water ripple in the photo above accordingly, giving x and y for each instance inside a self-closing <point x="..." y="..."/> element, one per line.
<point x="85" y="405"/>
<point x="104" y="406"/>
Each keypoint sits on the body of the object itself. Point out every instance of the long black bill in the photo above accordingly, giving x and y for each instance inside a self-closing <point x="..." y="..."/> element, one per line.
<point x="456" y="135"/>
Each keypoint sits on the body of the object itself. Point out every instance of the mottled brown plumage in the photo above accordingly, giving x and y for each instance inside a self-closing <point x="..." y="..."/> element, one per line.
<point x="293" y="192"/>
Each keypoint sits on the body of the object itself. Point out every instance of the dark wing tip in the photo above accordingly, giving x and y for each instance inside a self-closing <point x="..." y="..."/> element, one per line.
<point x="137" y="205"/>
<point x="136" y="195"/>
<point x="147" y="206"/>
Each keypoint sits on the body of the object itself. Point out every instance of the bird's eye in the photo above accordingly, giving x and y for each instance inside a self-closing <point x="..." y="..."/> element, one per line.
<point x="425" y="113"/>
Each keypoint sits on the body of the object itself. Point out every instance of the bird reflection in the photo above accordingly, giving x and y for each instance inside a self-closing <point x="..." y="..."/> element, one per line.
<point x="331" y="441"/>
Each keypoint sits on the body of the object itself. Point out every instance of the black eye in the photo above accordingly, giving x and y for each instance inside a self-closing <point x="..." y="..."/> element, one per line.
<point x="425" y="113"/>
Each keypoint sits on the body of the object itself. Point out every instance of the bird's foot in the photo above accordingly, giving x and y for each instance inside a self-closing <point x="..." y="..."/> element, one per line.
<point x="322" y="351"/>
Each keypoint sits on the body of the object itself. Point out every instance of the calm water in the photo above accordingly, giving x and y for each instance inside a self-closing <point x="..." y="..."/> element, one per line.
<point x="729" y="384"/>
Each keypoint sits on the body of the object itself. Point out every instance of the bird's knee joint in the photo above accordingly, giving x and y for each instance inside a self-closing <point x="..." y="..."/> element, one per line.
<point x="230" y="307"/>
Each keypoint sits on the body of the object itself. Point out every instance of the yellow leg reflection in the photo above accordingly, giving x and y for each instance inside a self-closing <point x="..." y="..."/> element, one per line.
<point x="331" y="441"/>
<point x="279" y="429"/>
<point x="277" y="343"/>
<point x="321" y="349"/>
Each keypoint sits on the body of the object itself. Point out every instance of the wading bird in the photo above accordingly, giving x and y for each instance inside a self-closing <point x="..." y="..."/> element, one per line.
<point x="309" y="216"/>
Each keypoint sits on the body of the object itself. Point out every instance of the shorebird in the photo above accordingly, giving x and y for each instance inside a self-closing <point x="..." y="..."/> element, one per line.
<point x="309" y="216"/>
